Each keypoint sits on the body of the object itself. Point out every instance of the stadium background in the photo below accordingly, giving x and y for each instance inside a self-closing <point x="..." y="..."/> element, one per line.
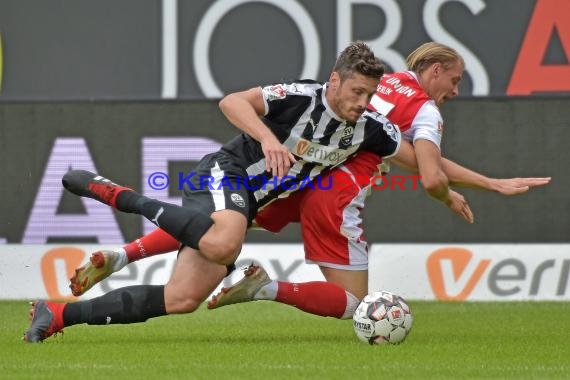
<point x="104" y="83"/>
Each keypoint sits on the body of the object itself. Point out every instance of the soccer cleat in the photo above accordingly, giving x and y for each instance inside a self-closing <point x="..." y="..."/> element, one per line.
<point x="46" y="320"/>
<point x="91" y="185"/>
<point x="244" y="290"/>
<point x="101" y="265"/>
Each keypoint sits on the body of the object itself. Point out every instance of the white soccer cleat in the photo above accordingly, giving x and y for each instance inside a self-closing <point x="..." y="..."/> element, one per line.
<point x="244" y="290"/>
<point x="101" y="265"/>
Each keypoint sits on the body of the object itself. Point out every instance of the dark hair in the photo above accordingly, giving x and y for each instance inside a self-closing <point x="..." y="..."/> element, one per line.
<point x="358" y="58"/>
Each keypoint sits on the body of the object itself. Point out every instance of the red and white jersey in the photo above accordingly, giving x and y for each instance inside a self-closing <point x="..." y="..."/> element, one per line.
<point x="400" y="97"/>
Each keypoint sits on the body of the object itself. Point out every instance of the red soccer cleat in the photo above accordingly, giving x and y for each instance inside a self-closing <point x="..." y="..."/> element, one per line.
<point x="46" y="320"/>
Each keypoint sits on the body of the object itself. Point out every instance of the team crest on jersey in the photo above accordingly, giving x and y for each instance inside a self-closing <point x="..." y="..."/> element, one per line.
<point x="274" y="92"/>
<point x="238" y="200"/>
<point x="391" y="131"/>
<point x="347" y="135"/>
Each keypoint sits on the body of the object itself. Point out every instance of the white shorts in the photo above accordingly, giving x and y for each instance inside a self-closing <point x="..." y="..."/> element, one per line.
<point x="331" y="222"/>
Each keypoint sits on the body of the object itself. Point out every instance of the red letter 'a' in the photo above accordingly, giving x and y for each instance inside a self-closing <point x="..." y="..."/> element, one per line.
<point x="529" y="75"/>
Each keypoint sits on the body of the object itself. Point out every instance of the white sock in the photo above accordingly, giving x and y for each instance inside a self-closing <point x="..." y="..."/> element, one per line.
<point x="122" y="259"/>
<point x="351" y="304"/>
<point x="267" y="292"/>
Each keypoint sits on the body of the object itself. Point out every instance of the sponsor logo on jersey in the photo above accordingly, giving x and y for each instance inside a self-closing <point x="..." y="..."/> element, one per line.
<point x="314" y="152"/>
<point x="302" y="147"/>
<point x="238" y="200"/>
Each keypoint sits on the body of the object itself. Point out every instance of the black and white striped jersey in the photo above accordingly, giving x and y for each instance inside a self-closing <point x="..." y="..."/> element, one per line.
<point x="298" y="114"/>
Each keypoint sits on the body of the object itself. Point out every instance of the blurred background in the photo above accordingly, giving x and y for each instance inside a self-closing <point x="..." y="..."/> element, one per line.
<point x="129" y="88"/>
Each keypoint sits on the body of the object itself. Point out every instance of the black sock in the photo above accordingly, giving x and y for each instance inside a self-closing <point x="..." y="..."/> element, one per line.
<point x="185" y="224"/>
<point x="127" y="201"/>
<point x="230" y="268"/>
<point x="131" y="304"/>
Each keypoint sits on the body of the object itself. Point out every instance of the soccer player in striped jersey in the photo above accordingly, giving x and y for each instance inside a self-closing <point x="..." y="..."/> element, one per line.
<point x="330" y="220"/>
<point x="298" y="130"/>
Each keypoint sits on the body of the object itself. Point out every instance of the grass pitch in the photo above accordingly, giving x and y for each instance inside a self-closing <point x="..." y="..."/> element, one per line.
<point x="265" y="340"/>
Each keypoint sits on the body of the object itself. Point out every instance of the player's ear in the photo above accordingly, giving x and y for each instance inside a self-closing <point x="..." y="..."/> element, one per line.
<point x="334" y="80"/>
<point x="436" y="69"/>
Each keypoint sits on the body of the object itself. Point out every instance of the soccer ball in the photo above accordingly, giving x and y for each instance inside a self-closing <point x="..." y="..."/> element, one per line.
<point x="382" y="317"/>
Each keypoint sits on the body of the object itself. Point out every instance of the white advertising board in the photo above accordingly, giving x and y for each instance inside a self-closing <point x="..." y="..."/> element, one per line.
<point x="479" y="272"/>
<point x="42" y="271"/>
<point x="472" y="272"/>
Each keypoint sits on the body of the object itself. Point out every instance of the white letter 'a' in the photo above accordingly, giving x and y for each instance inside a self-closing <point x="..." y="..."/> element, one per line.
<point x="44" y="222"/>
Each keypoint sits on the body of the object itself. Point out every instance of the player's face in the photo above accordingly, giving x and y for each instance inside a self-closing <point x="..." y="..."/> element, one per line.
<point x="445" y="83"/>
<point x="348" y="98"/>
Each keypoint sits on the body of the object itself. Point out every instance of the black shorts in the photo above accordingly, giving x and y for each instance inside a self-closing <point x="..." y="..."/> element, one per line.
<point x="219" y="183"/>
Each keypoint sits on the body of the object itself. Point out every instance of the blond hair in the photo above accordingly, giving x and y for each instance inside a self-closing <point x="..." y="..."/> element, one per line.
<point x="432" y="52"/>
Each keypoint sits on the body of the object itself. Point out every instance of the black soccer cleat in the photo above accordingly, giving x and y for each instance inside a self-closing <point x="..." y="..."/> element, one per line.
<point x="86" y="184"/>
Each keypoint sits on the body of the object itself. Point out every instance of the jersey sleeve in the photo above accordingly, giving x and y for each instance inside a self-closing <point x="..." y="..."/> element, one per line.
<point x="386" y="137"/>
<point x="278" y="97"/>
<point x="391" y="140"/>
<point x="427" y="125"/>
<point x="273" y="95"/>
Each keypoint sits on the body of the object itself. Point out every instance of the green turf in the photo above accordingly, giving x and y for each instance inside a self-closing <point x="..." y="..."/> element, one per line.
<point x="265" y="340"/>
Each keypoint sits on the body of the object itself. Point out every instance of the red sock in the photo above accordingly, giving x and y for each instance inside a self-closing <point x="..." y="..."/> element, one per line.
<point x="154" y="243"/>
<point x="318" y="297"/>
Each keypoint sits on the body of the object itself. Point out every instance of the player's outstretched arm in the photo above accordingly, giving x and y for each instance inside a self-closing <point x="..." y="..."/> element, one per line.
<point x="243" y="110"/>
<point x="463" y="177"/>
<point x="514" y="186"/>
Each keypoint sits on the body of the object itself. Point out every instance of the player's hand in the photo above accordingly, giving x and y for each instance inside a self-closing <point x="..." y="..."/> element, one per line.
<point x="515" y="186"/>
<point x="459" y="205"/>
<point x="278" y="159"/>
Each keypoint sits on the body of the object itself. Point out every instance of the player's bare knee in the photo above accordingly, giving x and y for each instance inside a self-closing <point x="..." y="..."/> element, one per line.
<point x="222" y="251"/>
<point x="182" y="306"/>
<point x="177" y="301"/>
